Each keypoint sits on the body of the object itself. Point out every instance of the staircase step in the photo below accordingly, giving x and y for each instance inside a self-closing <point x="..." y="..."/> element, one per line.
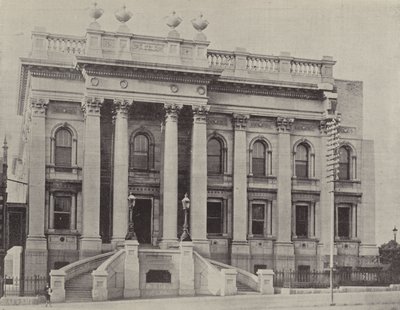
<point x="78" y="295"/>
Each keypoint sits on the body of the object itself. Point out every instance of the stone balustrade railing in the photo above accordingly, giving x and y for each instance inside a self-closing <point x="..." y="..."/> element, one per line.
<point x="66" y="44"/>
<point x="221" y="59"/>
<point x="262" y="63"/>
<point x="305" y="67"/>
<point x="167" y="50"/>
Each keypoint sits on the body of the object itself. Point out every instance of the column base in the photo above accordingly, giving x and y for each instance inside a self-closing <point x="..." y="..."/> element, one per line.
<point x="117" y="243"/>
<point x="168" y="243"/>
<point x="202" y="246"/>
<point x="36" y="256"/>
<point x="89" y="246"/>
<point x="284" y="256"/>
<point x="240" y="255"/>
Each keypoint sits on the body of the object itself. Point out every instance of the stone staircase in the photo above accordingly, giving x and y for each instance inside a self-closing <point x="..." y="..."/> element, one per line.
<point x="243" y="289"/>
<point x="79" y="289"/>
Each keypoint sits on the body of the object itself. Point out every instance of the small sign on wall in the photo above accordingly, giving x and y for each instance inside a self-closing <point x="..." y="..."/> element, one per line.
<point x="158" y="276"/>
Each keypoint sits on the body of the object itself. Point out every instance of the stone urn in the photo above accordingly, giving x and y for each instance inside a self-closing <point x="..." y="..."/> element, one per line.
<point x="123" y="15"/>
<point x="95" y="12"/>
<point x="199" y="23"/>
<point x="173" y="20"/>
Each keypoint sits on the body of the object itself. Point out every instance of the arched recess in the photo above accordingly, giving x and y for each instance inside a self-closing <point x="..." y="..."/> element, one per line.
<point x="267" y="155"/>
<point x="309" y="160"/>
<point x="136" y="154"/>
<point x="352" y="161"/>
<point x="74" y="142"/>
<point x="211" y="158"/>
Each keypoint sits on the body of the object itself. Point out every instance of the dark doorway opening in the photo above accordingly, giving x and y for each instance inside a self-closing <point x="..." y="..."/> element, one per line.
<point x="142" y="220"/>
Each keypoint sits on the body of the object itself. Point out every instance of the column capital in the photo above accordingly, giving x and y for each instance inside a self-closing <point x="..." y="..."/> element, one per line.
<point x="38" y="105"/>
<point x="200" y="113"/>
<point x="284" y="124"/>
<point x="121" y="106"/>
<point x="92" y="105"/>
<point x="240" y="121"/>
<point x="172" y="111"/>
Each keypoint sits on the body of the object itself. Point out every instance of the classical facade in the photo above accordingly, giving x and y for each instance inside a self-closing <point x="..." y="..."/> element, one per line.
<point x="244" y="135"/>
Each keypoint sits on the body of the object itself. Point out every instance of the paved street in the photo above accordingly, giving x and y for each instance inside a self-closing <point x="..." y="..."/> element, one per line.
<point x="370" y="300"/>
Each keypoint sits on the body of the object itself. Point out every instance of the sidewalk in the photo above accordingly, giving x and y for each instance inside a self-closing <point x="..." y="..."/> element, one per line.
<point x="233" y="302"/>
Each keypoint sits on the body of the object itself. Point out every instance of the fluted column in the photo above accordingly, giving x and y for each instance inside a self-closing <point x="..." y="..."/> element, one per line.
<point x="170" y="175"/>
<point x="198" y="180"/>
<point x="240" y="249"/>
<point x="36" y="245"/>
<point x="90" y="243"/>
<point x="284" y="252"/>
<point x="121" y="171"/>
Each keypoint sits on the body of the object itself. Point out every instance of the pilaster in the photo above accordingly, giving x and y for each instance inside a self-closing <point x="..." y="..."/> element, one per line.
<point x="90" y="243"/>
<point x="121" y="171"/>
<point x="36" y="244"/>
<point x="283" y="248"/>
<point x="170" y="176"/>
<point x="198" y="181"/>
<point x="240" y="247"/>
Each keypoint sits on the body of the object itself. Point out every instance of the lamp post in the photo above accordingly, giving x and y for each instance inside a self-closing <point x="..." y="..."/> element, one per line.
<point x="394" y="233"/>
<point x="185" y="205"/>
<point x="131" y="227"/>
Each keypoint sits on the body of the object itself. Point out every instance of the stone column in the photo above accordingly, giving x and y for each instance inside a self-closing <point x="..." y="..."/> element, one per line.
<point x="198" y="181"/>
<point x="121" y="172"/>
<point x="240" y="247"/>
<point x="36" y="245"/>
<point x="90" y="243"/>
<point x="51" y="211"/>
<point x="284" y="251"/>
<point x="170" y="176"/>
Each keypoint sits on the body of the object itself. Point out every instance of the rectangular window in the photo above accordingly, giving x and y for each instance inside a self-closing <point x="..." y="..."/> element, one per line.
<point x="301" y="169"/>
<point x="344" y="221"/>
<point x="302" y="221"/>
<point x="215" y="217"/>
<point x="62" y="212"/>
<point x="344" y="171"/>
<point x="257" y="218"/>
<point x="303" y="274"/>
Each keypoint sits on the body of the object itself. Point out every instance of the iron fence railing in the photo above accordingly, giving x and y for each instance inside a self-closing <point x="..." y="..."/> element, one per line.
<point x="28" y="286"/>
<point x="320" y="279"/>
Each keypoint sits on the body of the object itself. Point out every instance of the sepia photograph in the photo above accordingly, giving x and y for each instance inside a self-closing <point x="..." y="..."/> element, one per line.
<point x="194" y="154"/>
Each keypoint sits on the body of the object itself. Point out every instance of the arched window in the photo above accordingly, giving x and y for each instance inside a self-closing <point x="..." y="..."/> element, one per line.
<point x="301" y="161"/>
<point x="140" y="152"/>
<point x="214" y="156"/>
<point x="258" y="159"/>
<point x="344" y="163"/>
<point x="63" y="148"/>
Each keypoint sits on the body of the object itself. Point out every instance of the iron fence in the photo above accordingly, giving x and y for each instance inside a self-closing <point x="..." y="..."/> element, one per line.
<point x="320" y="279"/>
<point x="27" y="286"/>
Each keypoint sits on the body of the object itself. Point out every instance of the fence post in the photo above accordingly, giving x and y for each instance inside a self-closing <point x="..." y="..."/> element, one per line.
<point x="265" y="281"/>
<point x="57" y="283"/>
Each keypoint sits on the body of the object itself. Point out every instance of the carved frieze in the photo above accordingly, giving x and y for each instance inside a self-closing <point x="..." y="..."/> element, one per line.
<point x="147" y="47"/>
<point x="304" y="126"/>
<point x="259" y="123"/>
<point x="215" y="120"/>
<point x="348" y="130"/>
<point x="64" y="108"/>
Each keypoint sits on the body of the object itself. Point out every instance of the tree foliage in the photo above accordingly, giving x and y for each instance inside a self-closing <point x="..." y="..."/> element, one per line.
<point x="389" y="254"/>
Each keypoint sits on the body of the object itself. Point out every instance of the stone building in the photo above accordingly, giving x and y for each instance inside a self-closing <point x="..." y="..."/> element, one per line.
<point x="113" y="113"/>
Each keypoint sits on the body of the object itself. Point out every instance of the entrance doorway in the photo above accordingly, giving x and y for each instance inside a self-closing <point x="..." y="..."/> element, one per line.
<point x="142" y="220"/>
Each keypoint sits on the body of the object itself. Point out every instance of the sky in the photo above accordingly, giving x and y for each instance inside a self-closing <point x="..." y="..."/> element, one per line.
<point x="362" y="36"/>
